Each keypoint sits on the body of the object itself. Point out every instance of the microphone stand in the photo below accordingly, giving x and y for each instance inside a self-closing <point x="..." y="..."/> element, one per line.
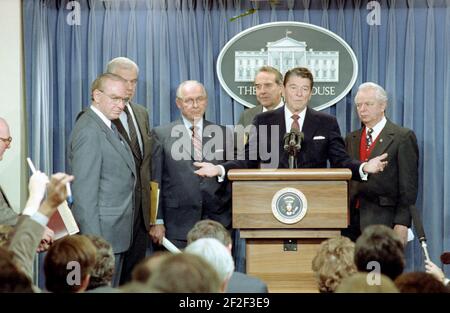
<point x="292" y="144"/>
<point x="420" y="231"/>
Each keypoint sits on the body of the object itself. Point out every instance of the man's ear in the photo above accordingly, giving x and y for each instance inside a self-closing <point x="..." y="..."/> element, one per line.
<point x="84" y="283"/>
<point x="95" y="95"/>
<point x="179" y="103"/>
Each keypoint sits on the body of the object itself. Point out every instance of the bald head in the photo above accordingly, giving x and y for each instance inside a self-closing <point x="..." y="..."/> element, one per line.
<point x="5" y="137"/>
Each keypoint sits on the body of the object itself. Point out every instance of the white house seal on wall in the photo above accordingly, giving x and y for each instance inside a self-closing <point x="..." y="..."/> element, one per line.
<point x="285" y="45"/>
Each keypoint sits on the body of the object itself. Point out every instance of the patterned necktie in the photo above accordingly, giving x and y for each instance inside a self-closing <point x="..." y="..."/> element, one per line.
<point x="134" y="143"/>
<point x="369" y="132"/>
<point x="197" y="143"/>
<point x="295" y="124"/>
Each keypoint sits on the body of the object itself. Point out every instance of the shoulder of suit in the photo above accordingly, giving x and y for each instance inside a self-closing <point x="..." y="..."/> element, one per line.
<point x="321" y="115"/>
<point x="165" y="129"/>
<point x="269" y="114"/>
<point x="138" y="107"/>
<point x="399" y="130"/>
<point x="249" y="279"/>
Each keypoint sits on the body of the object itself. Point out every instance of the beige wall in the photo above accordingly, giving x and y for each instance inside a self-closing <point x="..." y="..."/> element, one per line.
<point x="12" y="102"/>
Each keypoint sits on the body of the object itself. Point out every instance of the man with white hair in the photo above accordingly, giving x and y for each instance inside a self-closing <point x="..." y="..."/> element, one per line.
<point x="216" y="254"/>
<point x="386" y="197"/>
<point x="133" y="125"/>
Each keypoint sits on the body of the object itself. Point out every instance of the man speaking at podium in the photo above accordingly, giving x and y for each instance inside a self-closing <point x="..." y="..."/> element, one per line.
<point x="322" y="139"/>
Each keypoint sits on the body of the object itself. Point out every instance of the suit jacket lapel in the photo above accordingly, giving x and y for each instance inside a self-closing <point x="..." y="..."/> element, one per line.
<point x="309" y="125"/>
<point x="184" y="137"/>
<point x="355" y="143"/>
<point x="4" y="198"/>
<point x="122" y="148"/>
<point x="384" y="140"/>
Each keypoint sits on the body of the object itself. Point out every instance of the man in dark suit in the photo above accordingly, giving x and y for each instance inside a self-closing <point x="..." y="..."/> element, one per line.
<point x="322" y="138"/>
<point x="269" y="92"/>
<point x="186" y="198"/>
<point x="386" y="197"/>
<point x="133" y="125"/>
<point x="104" y="169"/>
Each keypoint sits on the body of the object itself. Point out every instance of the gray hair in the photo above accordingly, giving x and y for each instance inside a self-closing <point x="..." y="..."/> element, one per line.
<point x="189" y="82"/>
<point x="121" y="62"/>
<point x="216" y="254"/>
<point x="380" y="93"/>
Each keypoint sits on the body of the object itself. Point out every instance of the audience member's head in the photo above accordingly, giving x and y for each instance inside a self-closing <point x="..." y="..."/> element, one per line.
<point x="333" y="262"/>
<point x="209" y="229"/>
<point x="102" y="273"/>
<point x="11" y="278"/>
<point x="380" y="247"/>
<point x="184" y="273"/>
<point x="419" y="282"/>
<point x="362" y="283"/>
<point x="216" y="254"/>
<point x="5" y="234"/>
<point x="144" y="269"/>
<point x="68" y="264"/>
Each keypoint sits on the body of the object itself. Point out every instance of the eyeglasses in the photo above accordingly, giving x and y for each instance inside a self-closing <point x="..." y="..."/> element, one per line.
<point x="191" y="101"/>
<point x="115" y="100"/>
<point x="7" y="141"/>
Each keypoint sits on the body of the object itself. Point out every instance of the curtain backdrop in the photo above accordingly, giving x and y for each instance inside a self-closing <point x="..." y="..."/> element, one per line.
<point x="174" y="40"/>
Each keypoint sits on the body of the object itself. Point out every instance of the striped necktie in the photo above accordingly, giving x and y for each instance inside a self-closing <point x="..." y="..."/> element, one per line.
<point x="197" y="143"/>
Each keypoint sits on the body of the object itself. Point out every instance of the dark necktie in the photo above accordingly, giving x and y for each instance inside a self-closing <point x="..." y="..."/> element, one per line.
<point x="369" y="132"/>
<point x="134" y="143"/>
<point x="197" y="143"/>
<point x="115" y="130"/>
<point x="295" y="124"/>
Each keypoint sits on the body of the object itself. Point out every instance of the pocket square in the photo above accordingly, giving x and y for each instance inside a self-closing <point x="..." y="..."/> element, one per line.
<point x="318" y="137"/>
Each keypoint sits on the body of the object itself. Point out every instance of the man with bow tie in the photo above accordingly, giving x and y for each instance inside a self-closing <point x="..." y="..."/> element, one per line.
<point x="386" y="196"/>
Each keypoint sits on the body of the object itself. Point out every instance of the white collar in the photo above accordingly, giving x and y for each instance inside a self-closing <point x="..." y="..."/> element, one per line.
<point x="378" y="127"/>
<point x="188" y="124"/>
<point x="101" y="115"/>
<point x="279" y="105"/>
<point x="288" y="118"/>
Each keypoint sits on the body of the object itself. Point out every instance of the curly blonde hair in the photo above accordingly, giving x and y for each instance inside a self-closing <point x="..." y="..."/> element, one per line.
<point x="333" y="262"/>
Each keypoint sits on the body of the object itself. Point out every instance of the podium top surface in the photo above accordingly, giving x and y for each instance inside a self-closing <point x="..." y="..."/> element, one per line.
<point x="290" y="174"/>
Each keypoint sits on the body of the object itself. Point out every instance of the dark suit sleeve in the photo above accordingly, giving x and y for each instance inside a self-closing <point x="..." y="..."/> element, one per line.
<point x="157" y="168"/>
<point x="408" y="162"/>
<point x="336" y="151"/>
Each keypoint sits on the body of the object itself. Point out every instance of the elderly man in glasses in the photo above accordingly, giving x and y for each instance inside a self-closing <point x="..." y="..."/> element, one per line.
<point x="7" y="215"/>
<point x="104" y="169"/>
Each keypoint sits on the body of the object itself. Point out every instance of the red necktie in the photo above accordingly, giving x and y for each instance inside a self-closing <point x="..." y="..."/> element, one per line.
<point x="295" y="124"/>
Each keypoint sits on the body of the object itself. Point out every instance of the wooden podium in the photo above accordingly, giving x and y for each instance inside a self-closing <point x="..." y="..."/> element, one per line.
<point x="279" y="253"/>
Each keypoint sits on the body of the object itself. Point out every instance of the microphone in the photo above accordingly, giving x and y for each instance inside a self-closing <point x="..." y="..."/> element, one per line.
<point x="420" y="231"/>
<point x="292" y="144"/>
<point x="293" y="140"/>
